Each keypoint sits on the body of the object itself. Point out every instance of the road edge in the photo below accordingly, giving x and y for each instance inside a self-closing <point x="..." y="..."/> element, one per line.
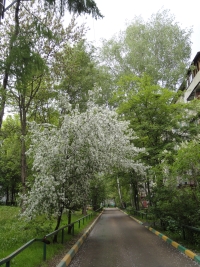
<point x="72" y="252"/>
<point x="182" y="249"/>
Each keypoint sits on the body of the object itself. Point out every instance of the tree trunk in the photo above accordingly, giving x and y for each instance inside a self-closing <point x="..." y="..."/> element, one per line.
<point x="134" y="190"/>
<point x="120" y="195"/>
<point x="13" y="196"/>
<point x="3" y="97"/>
<point x="84" y="210"/>
<point x="131" y="195"/>
<point x="149" y="192"/>
<point x="1" y="9"/>
<point x="69" y="221"/>
<point x="95" y="206"/>
<point x="23" y="164"/>
<point x="55" y="238"/>
<point x="7" y="69"/>
<point x="23" y="143"/>
<point x="7" y="195"/>
<point x="136" y="200"/>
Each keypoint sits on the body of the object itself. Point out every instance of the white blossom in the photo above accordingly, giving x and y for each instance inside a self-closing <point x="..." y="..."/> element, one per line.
<point x="66" y="158"/>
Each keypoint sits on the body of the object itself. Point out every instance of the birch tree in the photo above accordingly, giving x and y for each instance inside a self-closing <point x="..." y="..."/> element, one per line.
<point x="159" y="47"/>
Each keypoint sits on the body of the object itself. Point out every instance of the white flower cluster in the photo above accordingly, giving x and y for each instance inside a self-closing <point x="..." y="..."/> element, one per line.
<point x="65" y="159"/>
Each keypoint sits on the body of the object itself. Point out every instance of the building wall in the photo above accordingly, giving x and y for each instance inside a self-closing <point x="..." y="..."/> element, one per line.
<point x="192" y="86"/>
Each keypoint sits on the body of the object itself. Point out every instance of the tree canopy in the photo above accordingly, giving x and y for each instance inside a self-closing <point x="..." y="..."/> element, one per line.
<point x="158" y="47"/>
<point x="77" y="7"/>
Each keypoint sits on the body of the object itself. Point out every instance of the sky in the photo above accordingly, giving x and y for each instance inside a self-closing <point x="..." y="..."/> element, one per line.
<point x="117" y="13"/>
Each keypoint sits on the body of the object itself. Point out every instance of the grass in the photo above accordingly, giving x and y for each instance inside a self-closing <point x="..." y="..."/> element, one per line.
<point x="15" y="232"/>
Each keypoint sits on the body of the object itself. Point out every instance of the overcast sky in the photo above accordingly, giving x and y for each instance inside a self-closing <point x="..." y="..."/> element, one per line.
<point x="117" y="12"/>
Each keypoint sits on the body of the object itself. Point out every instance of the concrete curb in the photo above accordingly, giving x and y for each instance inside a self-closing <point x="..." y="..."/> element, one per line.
<point x="72" y="252"/>
<point x="182" y="249"/>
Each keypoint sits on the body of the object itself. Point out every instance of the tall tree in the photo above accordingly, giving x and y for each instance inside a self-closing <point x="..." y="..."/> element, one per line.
<point x="147" y="106"/>
<point x="159" y="123"/>
<point x="29" y="61"/>
<point x="76" y="71"/>
<point x="73" y="6"/>
<point x="6" y="63"/>
<point x="158" y="47"/>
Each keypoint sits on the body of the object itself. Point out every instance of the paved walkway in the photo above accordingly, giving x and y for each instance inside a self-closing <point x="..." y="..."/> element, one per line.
<point x="119" y="241"/>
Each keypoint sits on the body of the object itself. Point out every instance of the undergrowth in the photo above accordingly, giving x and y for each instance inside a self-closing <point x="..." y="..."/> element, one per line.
<point x="174" y="234"/>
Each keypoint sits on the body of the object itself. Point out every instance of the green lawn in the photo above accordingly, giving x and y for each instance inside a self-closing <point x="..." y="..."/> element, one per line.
<point x="15" y="232"/>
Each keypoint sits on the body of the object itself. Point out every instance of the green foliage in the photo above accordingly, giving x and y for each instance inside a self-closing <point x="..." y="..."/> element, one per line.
<point x="10" y="158"/>
<point x="161" y="126"/>
<point x="97" y="191"/>
<point x="187" y="162"/>
<point x="158" y="47"/>
<point x="180" y="205"/>
<point x="78" y="73"/>
<point x="23" y="61"/>
<point x="147" y="106"/>
<point x="78" y="6"/>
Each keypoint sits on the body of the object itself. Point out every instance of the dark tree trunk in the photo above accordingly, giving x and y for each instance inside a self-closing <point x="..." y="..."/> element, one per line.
<point x="69" y="221"/>
<point x="55" y="238"/>
<point x="132" y="195"/>
<point x="120" y="195"/>
<point x="23" y="143"/>
<point x="136" y="200"/>
<point x="135" y="195"/>
<point x="149" y="193"/>
<point x="84" y="210"/>
<point x="23" y="164"/>
<point x="7" y="69"/>
<point x="1" y="9"/>
<point x="3" y="97"/>
<point x="7" y="195"/>
<point x="13" y="196"/>
<point x="134" y="190"/>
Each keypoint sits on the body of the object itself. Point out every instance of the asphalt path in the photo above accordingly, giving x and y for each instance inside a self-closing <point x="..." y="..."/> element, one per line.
<point x="118" y="241"/>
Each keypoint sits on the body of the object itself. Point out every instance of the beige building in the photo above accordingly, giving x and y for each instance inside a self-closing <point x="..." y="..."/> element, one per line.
<point x="191" y="84"/>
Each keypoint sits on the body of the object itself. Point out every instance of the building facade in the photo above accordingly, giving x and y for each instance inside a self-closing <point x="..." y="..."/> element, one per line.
<point x="191" y="84"/>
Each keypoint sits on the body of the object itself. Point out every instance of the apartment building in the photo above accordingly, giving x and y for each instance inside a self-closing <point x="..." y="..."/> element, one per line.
<point x="191" y="84"/>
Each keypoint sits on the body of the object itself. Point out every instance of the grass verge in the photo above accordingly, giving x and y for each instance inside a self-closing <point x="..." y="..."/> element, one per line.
<point x="15" y="232"/>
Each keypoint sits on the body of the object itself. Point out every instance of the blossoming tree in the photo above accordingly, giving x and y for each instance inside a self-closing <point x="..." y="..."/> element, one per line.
<point x="65" y="159"/>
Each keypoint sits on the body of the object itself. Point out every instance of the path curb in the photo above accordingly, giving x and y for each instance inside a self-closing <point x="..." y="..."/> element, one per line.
<point x="182" y="249"/>
<point x="72" y="252"/>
